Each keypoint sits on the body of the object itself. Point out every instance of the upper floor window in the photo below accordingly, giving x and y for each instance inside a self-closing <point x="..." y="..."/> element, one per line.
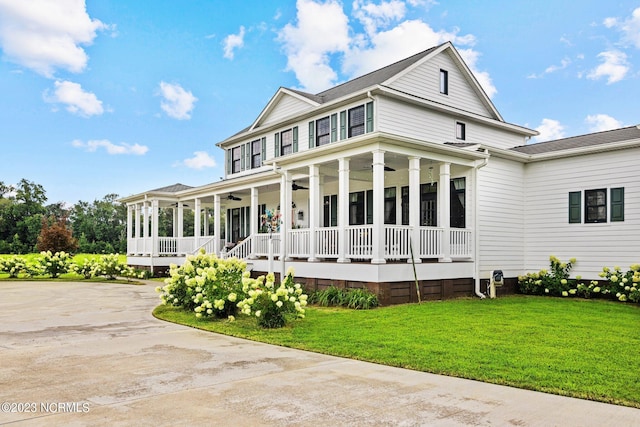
<point x="356" y="121"/>
<point x="323" y="131"/>
<point x="286" y="142"/>
<point x="444" y="82"/>
<point x="236" y="159"/>
<point x="256" y="153"/>
<point x="461" y="131"/>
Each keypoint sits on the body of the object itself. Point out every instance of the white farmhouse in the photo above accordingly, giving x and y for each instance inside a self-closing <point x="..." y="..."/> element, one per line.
<point x="407" y="173"/>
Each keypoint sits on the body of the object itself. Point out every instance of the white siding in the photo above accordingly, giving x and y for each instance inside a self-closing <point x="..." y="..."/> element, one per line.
<point x="501" y="216"/>
<point x="286" y="106"/>
<point x="424" y="81"/>
<point x="547" y="228"/>
<point x="396" y="117"/>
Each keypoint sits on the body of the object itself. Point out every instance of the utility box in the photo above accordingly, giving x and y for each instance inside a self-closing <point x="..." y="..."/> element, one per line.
<point x="495" y="281"/>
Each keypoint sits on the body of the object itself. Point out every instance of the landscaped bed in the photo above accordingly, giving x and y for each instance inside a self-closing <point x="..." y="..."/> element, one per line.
<point x="573" y="347"/>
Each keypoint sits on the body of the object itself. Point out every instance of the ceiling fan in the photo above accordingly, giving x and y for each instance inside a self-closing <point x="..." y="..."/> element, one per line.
<point x="295" y="187"/>
<point x="234" y="198"/>
<point x="387" y="168"/>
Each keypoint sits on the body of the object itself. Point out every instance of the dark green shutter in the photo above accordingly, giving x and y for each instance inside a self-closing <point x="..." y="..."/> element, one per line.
<point x="242" y="154"/>
<point x="276" y="144"/>
<point x="295" y="139"/>
<point x="617" y="204"/>
<point x="312" y="142"/>
<point x="343" y="124"/>
<point x="369" y="126"/>
<point x="247" y="161"/>
<point x="263" y="153"/>
<point x="229" y="154"/>
<point x="575" y="208"/>
<point x="334" y="127"/>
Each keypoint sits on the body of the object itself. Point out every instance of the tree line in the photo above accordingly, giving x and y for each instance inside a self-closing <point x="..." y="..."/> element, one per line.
<point x="26" y="220"/>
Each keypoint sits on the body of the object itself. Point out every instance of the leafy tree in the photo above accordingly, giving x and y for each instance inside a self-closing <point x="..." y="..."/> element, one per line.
<point x="21" y="210"/>
<point x="101" y="225"/>
<point x="55" y="236"/>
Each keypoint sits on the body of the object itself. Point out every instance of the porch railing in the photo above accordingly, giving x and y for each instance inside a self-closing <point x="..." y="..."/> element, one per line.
<point x="299" y="243"/>
<point x="327" y="242"/>
<point x="460" y="242"/>
<point x="360" y="241"/>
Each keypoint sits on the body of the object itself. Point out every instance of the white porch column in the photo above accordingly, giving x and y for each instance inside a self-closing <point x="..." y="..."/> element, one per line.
<point x="145" y="220"/>
<point x="314" y="209"/>
<point x="378" y="208"/>
<point x="205" y="221"/>
<point x="154" y="228"/>
<point x="216" y="224"/>
<point x="254" y="220"/>
<point x="129" y="228"/>
<point x="197" y="224"/>
<point x="414" y="206"/>
<point x="285" y="212"/>
<point x="174" y="225"/>
<point x="343" y="209"/>
<point x="137" y="221"/>
<point x="180" y="220"/>
<point x="444" y="208"/>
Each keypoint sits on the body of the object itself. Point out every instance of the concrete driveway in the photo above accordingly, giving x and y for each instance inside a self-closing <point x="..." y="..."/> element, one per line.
<point x="92" y="354"/>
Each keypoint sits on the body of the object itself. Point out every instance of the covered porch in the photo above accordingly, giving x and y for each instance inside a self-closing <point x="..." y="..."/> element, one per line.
<point x="376" y="203"/>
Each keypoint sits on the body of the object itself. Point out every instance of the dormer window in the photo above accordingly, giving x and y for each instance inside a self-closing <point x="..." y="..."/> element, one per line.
<point x="444" y="82"/>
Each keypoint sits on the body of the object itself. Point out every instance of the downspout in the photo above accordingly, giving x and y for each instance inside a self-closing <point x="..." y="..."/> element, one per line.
<point x="477" y="234"/>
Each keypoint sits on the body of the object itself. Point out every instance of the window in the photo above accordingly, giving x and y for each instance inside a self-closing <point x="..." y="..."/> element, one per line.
<point x="256" y="153"/>
<point x="356" y="121"/>
<point x="286" y="142"/>
<point x="444" y="82"/>
<point x="330" y="206"/>
<point x="428" y="205"/>
<point x="457" y="217"/>
<point x="323" y="131"/>
<point x="356" y="208"/>
<point x="390" y="205"/>
<point x="236" y="159"/>
<point x="461" y="131"/>
<point x="595" y="205"/>
<point x="404" y="205"/>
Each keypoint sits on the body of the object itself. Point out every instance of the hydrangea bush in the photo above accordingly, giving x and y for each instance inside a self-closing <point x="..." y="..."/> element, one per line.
<point x="271" y="304"/>
<point x="14" y="266"/>
<point x="213" y="287"/>
<point x="620" y="285"/>
<point x="54" y="265"/>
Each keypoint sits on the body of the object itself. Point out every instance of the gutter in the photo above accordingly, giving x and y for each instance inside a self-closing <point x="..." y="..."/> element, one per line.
<point x="476" y="249"/>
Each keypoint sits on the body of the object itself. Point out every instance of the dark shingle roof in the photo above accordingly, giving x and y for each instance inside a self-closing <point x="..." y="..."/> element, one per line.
<point x="592" y="139"/>
<point x="175" y="188"/>
<point x="372" y="78"/>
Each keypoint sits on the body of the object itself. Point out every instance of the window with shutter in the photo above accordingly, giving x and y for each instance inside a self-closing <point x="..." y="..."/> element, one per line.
<point x="595" y="206"/>
<point x="323" y="131"/>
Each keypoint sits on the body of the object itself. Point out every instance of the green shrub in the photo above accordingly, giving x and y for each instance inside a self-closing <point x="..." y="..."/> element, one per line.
<point x="87" y="268"/>
<point x="356" y="298"/>
<point x="554" y="282"/>
<point x="623" y="286"/>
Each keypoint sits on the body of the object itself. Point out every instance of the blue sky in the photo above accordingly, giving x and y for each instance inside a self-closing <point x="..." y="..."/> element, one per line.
<point x="123" y="96"/>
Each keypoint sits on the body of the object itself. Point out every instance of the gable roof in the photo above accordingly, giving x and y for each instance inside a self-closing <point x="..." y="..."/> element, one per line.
<point x="589" y="140"/>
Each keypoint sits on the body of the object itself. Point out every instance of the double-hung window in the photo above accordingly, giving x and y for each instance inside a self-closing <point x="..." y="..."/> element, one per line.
<point x="356" y="121"/>
<point x="236" y="159"/>
<point x="256" y="153"/>
<point x="600" y="206"/>
<point x="286" y="142"/>
<point x="595" y="205"/>
<point x="323" y="131"/>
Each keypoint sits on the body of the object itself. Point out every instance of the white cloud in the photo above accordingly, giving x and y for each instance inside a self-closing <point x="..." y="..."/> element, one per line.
<point x="549" y="130"/>
<point x="78" y="101"/>
<point x="322" y="34"/>
<point x="233" y="42"/>
<point x="200" y="160"/>
<point x="111" y="148"/>
<point x="322" y="29"/>
<point x="45" y="35"/>
<point x="630" y="27"/>
<point x="564" y="63"/>
<point x="177" y="103"/>
<point x="372" y="16"/>
<point x="602" y="122"/>
<point x="614" y="66"/>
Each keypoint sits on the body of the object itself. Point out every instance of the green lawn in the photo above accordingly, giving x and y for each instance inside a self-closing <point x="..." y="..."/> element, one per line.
<point x="582" y="348"/>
